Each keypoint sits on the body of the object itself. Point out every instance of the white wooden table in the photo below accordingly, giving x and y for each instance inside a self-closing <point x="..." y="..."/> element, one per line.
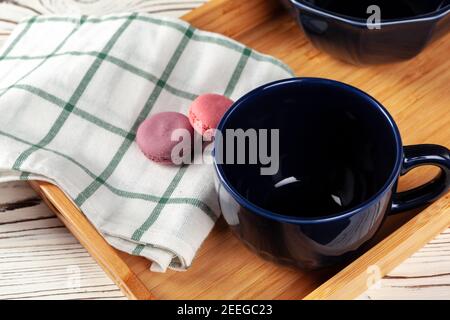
<point x="40" y="259"/>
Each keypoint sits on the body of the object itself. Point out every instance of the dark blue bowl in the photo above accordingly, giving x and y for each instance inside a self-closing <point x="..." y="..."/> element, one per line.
<point x="341" y="29"/>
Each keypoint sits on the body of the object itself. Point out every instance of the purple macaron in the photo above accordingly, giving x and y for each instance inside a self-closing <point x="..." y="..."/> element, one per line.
<point x="154" y="135"/>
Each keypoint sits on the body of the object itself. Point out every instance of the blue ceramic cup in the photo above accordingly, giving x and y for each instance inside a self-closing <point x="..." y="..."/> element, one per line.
<point x="340" y="157"/>
<point x="349" y="30"/>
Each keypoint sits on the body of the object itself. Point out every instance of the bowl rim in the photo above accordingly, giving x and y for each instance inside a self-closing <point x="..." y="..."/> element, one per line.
<point x="387" y="187"/>
<point x="434" y="15"/>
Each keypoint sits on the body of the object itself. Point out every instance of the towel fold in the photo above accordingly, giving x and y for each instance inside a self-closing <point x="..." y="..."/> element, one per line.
<point x="74" y="89"/>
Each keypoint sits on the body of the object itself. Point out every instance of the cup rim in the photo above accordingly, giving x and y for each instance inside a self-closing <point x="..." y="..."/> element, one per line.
<point x="305" y="220"/>
<point x="434" y="15"/>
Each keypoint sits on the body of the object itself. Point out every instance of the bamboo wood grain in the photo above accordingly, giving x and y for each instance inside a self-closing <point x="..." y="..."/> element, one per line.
<point x="416" y="94"/>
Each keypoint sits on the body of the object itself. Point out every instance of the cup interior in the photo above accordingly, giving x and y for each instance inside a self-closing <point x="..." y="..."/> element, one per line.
<point x="390" y="9"/>
<point x="337" y="147"/>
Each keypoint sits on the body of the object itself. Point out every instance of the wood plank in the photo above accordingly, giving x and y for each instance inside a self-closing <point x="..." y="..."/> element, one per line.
<point x="39" y="258"/>
<point x="97" y="246"/>
<point x="11" y="12"/>
<point x="425" y="275"/>
<point x="388" y="254"/>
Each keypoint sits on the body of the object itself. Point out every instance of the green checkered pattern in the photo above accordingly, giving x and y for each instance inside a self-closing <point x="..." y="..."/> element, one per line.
<point x="73" y="91"/>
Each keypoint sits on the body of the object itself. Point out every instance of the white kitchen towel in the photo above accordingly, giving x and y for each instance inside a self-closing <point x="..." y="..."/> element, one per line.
<point x="74" y="89"/>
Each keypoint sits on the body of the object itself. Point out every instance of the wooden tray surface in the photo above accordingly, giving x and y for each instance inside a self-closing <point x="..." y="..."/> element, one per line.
<point x="416" y="93"/>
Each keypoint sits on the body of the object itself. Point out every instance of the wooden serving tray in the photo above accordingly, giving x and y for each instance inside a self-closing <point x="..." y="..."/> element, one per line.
<point x="416" y="93"/>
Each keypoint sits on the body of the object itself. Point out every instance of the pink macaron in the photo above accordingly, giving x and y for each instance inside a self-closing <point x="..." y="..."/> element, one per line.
<point x="154" y="135"/>
<point x="206" y="112"/>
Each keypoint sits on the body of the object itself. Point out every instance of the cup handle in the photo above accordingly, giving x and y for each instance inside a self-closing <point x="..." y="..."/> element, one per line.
<point x="422" y="155"/>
